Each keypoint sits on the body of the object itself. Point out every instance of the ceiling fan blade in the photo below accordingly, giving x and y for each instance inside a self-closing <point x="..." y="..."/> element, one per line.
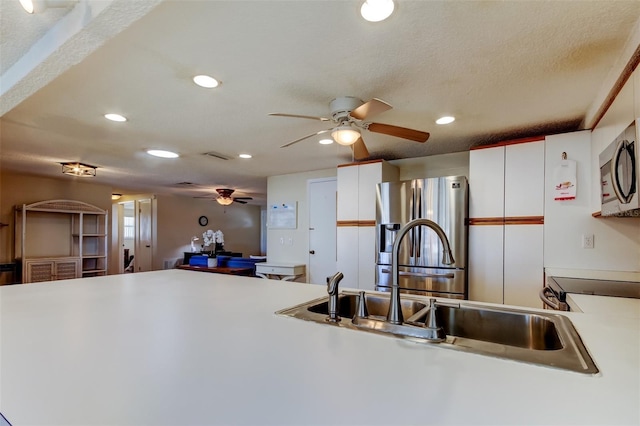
<point x="310" y="117"/>
<point x="399" y="132"/>
<point x="305" y="137"/>
<point x="235" y="200"/>
<point x="242" y="198"/>
<point x="371" y="108"/>
<point x="359" y="149"/>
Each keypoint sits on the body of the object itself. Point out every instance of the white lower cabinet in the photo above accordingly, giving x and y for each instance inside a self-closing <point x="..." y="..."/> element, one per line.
<point x="367" y="258"/>
<point x="486" y="263"/>
<point x="506" y="264"/>
<point x="347" y="251"/>
<point x="356" y="256"/>
<point x="523" y="265"/>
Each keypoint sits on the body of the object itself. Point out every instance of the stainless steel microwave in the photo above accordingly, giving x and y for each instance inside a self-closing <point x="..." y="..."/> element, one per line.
<point x="619" y="175"/>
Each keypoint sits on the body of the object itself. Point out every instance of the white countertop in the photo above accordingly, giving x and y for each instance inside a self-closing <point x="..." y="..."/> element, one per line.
<point x="185" y="348"/>
<point x="591" y="304"/>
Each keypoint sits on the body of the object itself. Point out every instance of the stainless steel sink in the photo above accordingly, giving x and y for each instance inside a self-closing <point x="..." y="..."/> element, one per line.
<point x="522" y="335"/>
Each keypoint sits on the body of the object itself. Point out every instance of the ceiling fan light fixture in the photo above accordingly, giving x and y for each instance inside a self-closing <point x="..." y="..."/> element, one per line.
<point x="345" y="134"/>
<point x="377" y="10"/>
<point x="224" y="201"/>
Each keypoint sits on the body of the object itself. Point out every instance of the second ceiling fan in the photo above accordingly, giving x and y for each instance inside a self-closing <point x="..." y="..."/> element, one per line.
<point x="349" y="115"/>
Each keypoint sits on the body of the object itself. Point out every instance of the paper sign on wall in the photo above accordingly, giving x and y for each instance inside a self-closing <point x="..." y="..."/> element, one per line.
<point x="564" y="178"/>
<point x="282" y="216"/>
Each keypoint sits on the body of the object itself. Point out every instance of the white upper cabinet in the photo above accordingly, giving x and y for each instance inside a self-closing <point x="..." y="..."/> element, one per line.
<point x="347" y="208"/>
<point x="524" y="179"/>
<point x="369" y="176"/>
<point x="357" y="189"/>
<point x="486" y="182"/>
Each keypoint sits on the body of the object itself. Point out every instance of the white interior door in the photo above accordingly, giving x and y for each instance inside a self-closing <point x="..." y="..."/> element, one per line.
<point x="144" y="249"/>
<point x="322" y="229"/>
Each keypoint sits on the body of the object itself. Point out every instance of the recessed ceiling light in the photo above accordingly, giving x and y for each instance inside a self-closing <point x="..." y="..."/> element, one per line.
<point x="445" y="120"/>
<point x="162" y="154"/>
<point x="377" y="10"/>
<point x="27" y="5"/>
<point x="205" y="81"/>
<point x="115" y="117"/>
<point x="326" y="141"/>
<point x="244" y="155"/>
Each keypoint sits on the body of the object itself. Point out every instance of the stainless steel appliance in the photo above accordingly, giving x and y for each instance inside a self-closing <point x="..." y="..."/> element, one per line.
<point x="554" y="295"/>
<point x="443" y="200"/>
<point x="619" y="175"/>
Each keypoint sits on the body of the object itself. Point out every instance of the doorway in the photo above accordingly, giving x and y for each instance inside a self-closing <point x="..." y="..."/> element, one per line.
<point x="322" y="229"/>
<point x="135" y="236"/>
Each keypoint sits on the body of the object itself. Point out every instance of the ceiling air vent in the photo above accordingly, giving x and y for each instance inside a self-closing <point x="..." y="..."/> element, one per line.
<point x="217" y="155"/>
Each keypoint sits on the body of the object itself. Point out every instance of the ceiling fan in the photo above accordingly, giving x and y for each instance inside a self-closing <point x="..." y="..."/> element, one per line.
<point x="348" y="114"/>
<point x="225" y="198"/>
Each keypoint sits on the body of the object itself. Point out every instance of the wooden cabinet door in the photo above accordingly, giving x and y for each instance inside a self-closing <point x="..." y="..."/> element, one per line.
<point x="66" y="269"/>
<point x="38" y="271"/>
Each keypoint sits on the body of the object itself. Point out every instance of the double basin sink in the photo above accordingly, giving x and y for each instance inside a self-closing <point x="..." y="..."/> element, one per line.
<point x="528" y="336"/>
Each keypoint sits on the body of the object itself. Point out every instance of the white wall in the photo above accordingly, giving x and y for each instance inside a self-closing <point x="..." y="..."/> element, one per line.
<point x="616" y="252"/>
<point x="291" y="245"/>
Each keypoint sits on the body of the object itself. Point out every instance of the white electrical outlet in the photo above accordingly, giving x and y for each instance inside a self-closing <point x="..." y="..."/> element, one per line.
<point x="587" y="241"/>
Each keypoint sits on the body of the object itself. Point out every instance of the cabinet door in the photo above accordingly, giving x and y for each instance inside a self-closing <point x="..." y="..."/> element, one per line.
<point x="347" y="252"/>
<point x="524" y="179"/>
<point x="38" y="271"/>
<point x="523" y="265"/>
<point x="66" y="269"/>
<point x="369" y="175"/>
<point x="347" y="193"/>
<point x="486" y="263"/>
<point x="486" y="182"/>
<point x="367" y="258"/>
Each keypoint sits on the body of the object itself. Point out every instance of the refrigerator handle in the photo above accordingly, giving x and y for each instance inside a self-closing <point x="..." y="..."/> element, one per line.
<point x="419" y="229"/>
<point x="412" y="233"/>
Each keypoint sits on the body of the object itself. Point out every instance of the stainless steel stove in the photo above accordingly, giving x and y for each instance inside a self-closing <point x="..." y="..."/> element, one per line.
<point x="554" y="295"/>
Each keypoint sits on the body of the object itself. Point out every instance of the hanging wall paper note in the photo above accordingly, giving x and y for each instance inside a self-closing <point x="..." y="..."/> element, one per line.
<point x="565" y="180"/>
<point x="282" y="216"/>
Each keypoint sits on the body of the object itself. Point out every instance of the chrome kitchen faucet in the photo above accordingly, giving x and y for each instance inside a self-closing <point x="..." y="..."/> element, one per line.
<point x="394" y="316"/>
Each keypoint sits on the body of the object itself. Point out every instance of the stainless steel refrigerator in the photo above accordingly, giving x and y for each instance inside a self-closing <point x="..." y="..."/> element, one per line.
<point x="443" y="200"/>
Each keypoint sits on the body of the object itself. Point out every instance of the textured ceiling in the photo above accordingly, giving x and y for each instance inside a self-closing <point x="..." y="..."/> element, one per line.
<point x="504" y="69"/>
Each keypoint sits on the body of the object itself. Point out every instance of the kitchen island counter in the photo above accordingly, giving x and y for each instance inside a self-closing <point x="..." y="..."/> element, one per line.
<point x="182" y="347"/>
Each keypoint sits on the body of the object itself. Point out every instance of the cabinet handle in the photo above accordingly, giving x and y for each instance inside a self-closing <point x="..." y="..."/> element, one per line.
<point x="312" y="252"/>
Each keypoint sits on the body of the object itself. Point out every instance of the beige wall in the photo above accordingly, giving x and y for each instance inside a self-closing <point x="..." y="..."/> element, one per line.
<point x="175" y="218"/>
<point x="177" y="222"/>
<point x="17" y="189"/>
<point x="455" y="164"/>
